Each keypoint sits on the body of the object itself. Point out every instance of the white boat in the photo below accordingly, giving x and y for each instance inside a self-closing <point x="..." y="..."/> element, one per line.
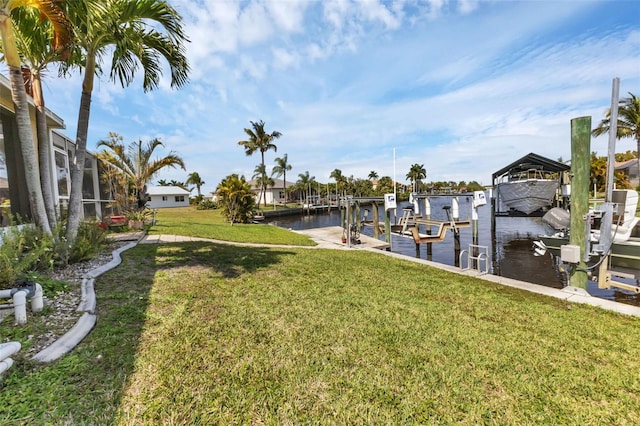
<point x="527" y="189"/>
<point x="625" y="231"/>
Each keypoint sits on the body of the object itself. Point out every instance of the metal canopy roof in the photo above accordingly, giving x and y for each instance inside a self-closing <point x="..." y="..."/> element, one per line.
<point x="533" y="160"/>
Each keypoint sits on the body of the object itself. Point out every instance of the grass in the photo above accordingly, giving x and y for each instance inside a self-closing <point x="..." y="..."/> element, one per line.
<point x="211" y="224"/>
<point x="199" y="333"/>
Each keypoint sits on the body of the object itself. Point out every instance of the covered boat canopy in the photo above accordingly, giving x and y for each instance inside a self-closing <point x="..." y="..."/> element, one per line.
<point x="531" y="161"/>
<point x="528" y="185"/>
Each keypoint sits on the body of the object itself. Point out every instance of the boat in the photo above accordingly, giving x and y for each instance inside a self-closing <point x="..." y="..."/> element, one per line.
<point x="625" y="231"/>
<point x="527" y="189"/>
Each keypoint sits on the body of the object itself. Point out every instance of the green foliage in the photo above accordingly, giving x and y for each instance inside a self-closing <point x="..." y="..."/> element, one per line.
<point x="49" y="286"/>
<point x="206" y="204"/>
<point x="138" y="214"/>
<point x="23" y="249"/>
<point x="89" y="242"/>
<point x="236" y="199"/>
<point x="196" y="200"/>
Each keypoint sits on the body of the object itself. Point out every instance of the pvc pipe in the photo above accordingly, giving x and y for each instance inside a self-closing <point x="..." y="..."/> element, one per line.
<point x="5" y="364"/>
<point x="455" y="209"/>
<point x="6" y="294"/>
<point x="37" y="302"/>
<point x="8" y="349"/>
<point x="20" y="306"/>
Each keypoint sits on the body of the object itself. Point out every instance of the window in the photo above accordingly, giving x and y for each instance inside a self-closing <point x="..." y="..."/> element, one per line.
<point x="179" y="198"/>
<point x="165" y="198"/>
<point x="62" y="173"/>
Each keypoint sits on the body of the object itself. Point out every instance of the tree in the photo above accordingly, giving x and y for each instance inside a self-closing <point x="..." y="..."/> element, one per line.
<point x="194" y="179"/>
<point x="135" y="164"/>
<point x="598" y="174"/>
<point x="262" y="180"/>
<point x="137" y="34"/>
<point x="385" y="185"/>
<point x="51" y="10"/>
<point x="179" y="184"/>
<point x="259" y="140"/>
<point x="35" y="42"/>
<point x="373" y="175"/>
<point x="628" y="124"/>
<point x="304" y="182"/>
<point x="416" y="173"/>
<point x="235" y="196"/>
<point x="336" y="174"/>
<point x="281" y="168"/>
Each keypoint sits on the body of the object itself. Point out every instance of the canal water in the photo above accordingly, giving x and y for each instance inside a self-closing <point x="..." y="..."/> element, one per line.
<point x="509" y="248"/>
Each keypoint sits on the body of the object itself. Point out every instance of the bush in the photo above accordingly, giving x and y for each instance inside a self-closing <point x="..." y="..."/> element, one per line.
<point x="89" y="242"/>
<point x="24" y="249"/>
<point x="206" y="204"/>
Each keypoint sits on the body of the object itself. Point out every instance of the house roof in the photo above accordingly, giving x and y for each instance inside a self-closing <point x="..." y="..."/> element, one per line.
<point x="533" y="160"/>
<point x="621" y="165"/>
<point x="277" y="184"/>
<point x="166" y="190"/>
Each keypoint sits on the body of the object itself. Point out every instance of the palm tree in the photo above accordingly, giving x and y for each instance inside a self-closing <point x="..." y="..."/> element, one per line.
<point x="37" y="52"/>
<point x="339" y="178"/>
<point x="262" y="180"/>
<point x="373" y="175"/>
<point x="194" y="179"/>
<point x="179" y="184"/>
<point x="135" y="164"/>
<point x="628" y="125"/>
<point x="51" y="10"/>
<point x="137" y="34"/>
<point x="416" y="173"/>
<point x="281" y="168"/>
<point x="259" y="140"/>
<point x="305" y="182"/>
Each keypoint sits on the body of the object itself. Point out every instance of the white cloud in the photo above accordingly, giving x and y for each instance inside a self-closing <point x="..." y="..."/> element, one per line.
<point x="464" y="87"/>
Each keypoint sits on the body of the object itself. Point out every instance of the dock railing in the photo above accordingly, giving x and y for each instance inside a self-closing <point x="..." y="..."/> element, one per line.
<point x="475" y="255"/>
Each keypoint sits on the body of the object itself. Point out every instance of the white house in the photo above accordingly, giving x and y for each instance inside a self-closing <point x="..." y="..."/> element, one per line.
<point x="630" y="169"/>
<point x="167" y="196"/>
<point x="275" y="192"/>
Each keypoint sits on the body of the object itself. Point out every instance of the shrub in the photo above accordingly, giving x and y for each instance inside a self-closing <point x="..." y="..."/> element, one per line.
<point x="89" y="242"/>
<point x="206" y="204"/>
<point x="24" y="249"/>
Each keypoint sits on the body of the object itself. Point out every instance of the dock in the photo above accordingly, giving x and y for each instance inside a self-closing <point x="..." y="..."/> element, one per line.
<point x="331" y="236"/>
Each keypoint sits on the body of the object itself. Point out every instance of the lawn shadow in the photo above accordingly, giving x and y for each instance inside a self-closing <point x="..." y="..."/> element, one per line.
<point x="123" y="296"/>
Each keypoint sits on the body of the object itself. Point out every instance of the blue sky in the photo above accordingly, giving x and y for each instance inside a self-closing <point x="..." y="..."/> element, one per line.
<point x="463" y="87"/>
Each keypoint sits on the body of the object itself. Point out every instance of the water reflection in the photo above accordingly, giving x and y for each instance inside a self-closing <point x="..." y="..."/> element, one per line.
<point x="510" y="246"/>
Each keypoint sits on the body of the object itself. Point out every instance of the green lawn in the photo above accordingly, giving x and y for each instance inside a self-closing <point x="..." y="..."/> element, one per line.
<point x="210" y="224"/>
<point x="200" y="333"/>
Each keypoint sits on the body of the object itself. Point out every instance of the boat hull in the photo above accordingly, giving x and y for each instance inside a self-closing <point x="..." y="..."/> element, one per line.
<point x="528" y="196"/>
<point x="624" y="254"/>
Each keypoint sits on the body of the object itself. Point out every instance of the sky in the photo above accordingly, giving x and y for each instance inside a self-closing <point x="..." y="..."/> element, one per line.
<point x="463" y="87"/>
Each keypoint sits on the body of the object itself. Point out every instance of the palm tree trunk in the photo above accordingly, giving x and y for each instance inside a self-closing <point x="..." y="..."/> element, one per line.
<point x="285" y="188"/>
<point x="44" y="151"/>
<point x="77" y="165"/>
<point x="25" y="134"/>
<point x="264" y="183"/>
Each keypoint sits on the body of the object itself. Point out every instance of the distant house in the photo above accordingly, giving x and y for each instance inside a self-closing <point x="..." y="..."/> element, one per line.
<point x="275" y="192"/>
<point x="630" y="169"/>
<point x="167" y="196"/>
